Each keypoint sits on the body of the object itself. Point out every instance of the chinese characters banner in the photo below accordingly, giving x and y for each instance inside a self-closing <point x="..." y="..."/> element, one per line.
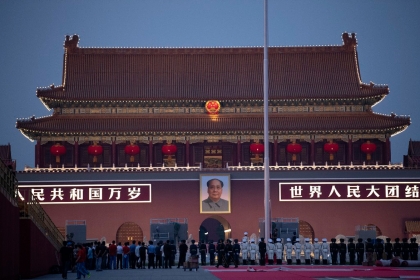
<point x="349" y="191"/>
<point x="88" y="193"/>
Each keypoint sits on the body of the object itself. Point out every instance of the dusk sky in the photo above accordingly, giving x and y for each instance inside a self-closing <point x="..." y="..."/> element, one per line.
<point x="33" y="33"/>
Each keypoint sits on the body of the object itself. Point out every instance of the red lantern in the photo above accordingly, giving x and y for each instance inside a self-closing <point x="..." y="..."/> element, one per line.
<point x="95" y="150"/>
<point x="368" y="148"/>
<point x="257" y="149"/>
<point x="294" y="148"/>
<point x="57" y="150"/>
<point x="169" y="150"/>
<point x="331" y="148"/>
<point x="132" y="150"/>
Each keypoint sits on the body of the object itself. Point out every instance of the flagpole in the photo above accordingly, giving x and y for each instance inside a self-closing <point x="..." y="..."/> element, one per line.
<point x="267" y="229"/>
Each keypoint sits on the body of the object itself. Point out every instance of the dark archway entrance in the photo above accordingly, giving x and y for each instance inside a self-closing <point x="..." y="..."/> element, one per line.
<point x="214" y="228"/>
<point x="128" y="232"/>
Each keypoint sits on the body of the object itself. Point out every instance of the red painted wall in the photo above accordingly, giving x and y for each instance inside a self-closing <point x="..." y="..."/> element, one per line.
<point x="9" y="234"/>
<point x="37" y="255"/>
<point x="178" y="199"/>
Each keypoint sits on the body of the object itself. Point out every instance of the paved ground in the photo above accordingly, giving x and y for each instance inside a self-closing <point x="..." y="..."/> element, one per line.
<point x="172" y="274"/>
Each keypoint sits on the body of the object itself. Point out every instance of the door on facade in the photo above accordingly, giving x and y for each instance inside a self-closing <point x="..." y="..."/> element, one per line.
<point x="128" y="232"/>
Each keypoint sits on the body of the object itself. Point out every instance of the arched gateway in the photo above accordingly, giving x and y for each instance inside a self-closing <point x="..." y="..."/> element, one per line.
<point x="214" y="228"/>
<point x="128" y="232"/>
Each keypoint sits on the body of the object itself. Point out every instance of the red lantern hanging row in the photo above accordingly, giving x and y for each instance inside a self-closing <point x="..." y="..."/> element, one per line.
<point x="331" y="148"/>
<point x="368" y="148"/>
<point x="132" y="150"/>
<point x="294" y="148"/>
<point x="257" y="149"/>
<point x="57" y="150"/>
<point x="95" y="150"/>
<point x="169" y="150"/>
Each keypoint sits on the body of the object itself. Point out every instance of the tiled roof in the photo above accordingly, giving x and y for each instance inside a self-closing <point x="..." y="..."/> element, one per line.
<point x="414" y="148"/>
<point x="364" y="122"/>
<point x="211" y="73"/>
<point x="412" y="227"/>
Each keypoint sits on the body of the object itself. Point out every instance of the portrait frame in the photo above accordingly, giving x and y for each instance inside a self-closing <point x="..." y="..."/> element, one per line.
<point x="207" y="207"/>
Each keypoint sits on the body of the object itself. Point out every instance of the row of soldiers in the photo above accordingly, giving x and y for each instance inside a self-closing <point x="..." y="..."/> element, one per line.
<point x="357" y="252"/>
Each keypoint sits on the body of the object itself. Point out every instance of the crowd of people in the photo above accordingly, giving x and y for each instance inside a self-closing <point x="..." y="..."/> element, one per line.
<point x="97" y="256"/>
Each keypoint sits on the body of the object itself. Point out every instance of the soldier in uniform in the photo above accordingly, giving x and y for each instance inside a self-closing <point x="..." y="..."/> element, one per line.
<point x="245" y="236"/>
<point x="317" y="251"/>
<point x="342" y="251"/>
<point x="253" y="252"/>
<point x="270" y="250"/>
<point x="334" y="251"/>
<point x="262" y="249"/>
<point x="351" y="248"/>
<point x="360" y="251"/>
<point x="297" y="247"/>
<point x="279" y="251"/>
<point x="379" y="248"/>
<point x="288" y="247"/>
<point x="325" y="251"/>
<point x="414" y="249"/>
<point x="397" y="248"/>
<point x="244" y="250"/>
<point x="388" y="248"/>
<point x="228" y="253"/>
<point x="308" y="251"/>
<point x="220" y="252"/>
<point x="405" y="249"/>
<point x="236" y="251"/>
<point x="212" y="250"/>
<point x="183" y="249"/>
<point x="203" y="252"/>
<point x="369" y="251"/>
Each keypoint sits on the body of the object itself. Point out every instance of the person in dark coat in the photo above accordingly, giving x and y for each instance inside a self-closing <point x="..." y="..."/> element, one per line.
<point x="167" y="251"/>
<point x="379" y="249"/>
<point x="360" y="251"/>
<point x="351" y="249"/>
<point x="388" y="248"/>
<point x="397" y="248"/>
<point x="342" y="251"/>
<point x="369" y="250"/>
<point x="262" y="248"/>
<point x="236" y="251"/>
<point x="193" y="248"/>
<point x="220" y="252"/>
<point x="228" y="253"/>
<point x="203" y="252"/>
<point x="183" y="249"/>
<point x="414" y="249"/>
<point x="212" y="250"/>
<point x="405" y="249"/>
<point x="334" y="251"/>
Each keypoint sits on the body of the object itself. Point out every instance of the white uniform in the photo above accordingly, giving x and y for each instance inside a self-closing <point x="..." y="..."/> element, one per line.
<point x="270" y="251"/>
<point x="325" y="251"/>
<point x="288" y="247"/>
<point x="298" y="250"/>
<point x="244" y="250"/>
<point x="253" y="248"/>
<point x="279" y="252"/>
<point x="317" y="251"/>
<point x="308" y="250"/>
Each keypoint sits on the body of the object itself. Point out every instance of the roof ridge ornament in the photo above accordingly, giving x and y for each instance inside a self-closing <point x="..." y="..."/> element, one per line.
<point x="349" y="39"/>
<point x="71" y="43"/>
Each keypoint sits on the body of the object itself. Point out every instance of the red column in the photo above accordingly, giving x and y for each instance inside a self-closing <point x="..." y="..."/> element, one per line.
<point x="38" y="154"/>
<point x="387" y="151"/>
<point x="238" y="152"/>
<point x="113" y="153"/>
<point x="275" y="152"/>
<point x="350" y="151"/>
<point x="312" y="151"/>
<point x="151" y="152"/>
<point x="187" y="152"/>
<point x="76" y="153"/>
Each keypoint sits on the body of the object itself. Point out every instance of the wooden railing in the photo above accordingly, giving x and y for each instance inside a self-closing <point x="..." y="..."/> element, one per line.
<point x="8" y="182"/>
